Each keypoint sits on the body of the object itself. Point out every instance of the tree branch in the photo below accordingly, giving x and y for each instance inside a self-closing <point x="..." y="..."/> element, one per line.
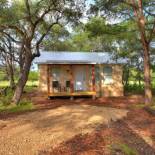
<point x="3" y="27"/>
<point x="29" y="11"/>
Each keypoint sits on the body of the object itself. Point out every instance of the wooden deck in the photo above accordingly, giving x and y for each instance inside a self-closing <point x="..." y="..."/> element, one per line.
<point x="87" y="93"/>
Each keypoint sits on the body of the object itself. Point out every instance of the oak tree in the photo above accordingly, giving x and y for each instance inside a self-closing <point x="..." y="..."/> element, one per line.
<point x="31" y="21"/>
<point x="142" y="13"/>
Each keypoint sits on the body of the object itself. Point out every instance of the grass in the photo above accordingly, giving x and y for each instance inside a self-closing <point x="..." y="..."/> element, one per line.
<point x="124" y="148"/>
<point x="29" y="83"/>
<point x="23" y="106"/>
<point x="152" y="107"/>
<point x="138" y="106"/>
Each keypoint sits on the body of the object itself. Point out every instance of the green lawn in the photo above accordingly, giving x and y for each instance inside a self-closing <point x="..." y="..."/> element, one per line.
<point x="29" y="83"/>
<point x="124" y="148"/>
<point x="23" y="106"/>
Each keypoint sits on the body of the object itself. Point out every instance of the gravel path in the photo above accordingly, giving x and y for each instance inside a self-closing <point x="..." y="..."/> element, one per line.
<point x="32" y="133"/>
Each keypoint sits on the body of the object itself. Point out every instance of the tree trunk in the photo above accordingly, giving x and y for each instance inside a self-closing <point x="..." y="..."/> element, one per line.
<point x="126" y="73"/>
<point x="11" y="77"/>
<point x="141" y="22"/>
<point x="10" y="70"/>
<point x="147" y="74"/>
<point x="22" y="80"/>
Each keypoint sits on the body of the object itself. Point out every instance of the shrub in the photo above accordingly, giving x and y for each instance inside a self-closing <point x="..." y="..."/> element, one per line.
<point x="134" y="88"/>
<point x="24" y="105"/>
<point x="33" y="76"/>
<point x="5" y="100"/>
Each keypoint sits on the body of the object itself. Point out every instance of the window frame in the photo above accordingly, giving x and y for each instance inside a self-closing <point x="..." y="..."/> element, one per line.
<point x="108" y="76"/>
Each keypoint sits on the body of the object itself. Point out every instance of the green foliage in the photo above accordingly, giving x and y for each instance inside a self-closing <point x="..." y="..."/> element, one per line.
<point x="56" y="39"/>
<point x="21" y="107"/>
<point x="3" y="76"/>
<point x="134" y="89"/>
<point x="124" y="12"/>
<point x="33" y="76"/>
<point x="138" y="106"/>
<point x="133" y="86"/>
<point x="28" y="83"/>
<point x="152" y="107"/>
<point x="29" y="22"/>
<point x="98" y="26"/>
<point x="6" y="106"/>
<point x="5" y="100"/>
<point x="81" y="42"/>
<point x="123" y="148"/>
<point x="31" y="86"/>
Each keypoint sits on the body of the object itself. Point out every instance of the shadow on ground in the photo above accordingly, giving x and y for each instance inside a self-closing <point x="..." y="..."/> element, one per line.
<point x="101" y="142"/>
<point x="39" y="130"/>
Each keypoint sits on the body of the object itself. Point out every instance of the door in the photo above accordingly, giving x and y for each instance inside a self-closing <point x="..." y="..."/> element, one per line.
<point x="80" y="78"/>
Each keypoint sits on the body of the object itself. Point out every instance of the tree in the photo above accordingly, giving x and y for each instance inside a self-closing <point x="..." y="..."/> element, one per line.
<point x="57" y="39"/>
<point x="8" y="57"/>
<point x="31" y="21"/>
<point x="80" y="40"/>
<point x="142" y="13"/>
<point x="104" y="34"/>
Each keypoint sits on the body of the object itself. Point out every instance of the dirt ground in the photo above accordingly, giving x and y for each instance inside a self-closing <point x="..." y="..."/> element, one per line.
<point x="30" y="133"/>
<point x="135" y="132"/>
<point x="79" y="127"/>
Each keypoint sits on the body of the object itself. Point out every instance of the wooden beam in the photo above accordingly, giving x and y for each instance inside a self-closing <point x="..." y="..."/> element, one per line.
<point x="93" y="78"/>
<point x="86" y="93"/>
<point x="72" y="79"/>
<point x="51" y="78"/>
<point x="100" y="78"/>
<point x="48" y="79"/>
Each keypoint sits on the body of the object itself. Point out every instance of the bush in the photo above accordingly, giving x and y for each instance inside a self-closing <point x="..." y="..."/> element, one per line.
<point x="24" y="105"/>
<point x="6" y="106"/>
<point x="134" y="88"/>
<point x="5" y="100"/>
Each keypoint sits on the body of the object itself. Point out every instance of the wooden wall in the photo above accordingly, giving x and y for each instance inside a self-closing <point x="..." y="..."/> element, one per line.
<point x="65" y="75"/>
<point x="116" y="87"/>
<point x="43" y="75"/>
<point x="113" y="89"/>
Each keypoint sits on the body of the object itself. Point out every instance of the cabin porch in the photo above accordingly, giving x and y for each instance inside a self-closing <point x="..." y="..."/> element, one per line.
<point x="71" y="80"/>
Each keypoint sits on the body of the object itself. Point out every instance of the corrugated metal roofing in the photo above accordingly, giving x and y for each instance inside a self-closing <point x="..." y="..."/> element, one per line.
<point x="53" y="57"/>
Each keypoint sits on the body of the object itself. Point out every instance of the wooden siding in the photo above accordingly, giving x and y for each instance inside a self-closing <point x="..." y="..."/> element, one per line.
<point x="67" y="74"/>
<point x="116" y="87"/>
<point x="43" y="75"/>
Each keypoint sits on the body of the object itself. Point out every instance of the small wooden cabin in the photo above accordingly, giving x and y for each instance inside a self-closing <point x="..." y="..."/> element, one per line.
<point x="80" y="73"/>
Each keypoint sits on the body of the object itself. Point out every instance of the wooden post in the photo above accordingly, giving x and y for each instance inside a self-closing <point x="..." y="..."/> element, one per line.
<point x="71" y="82"/>
<point x="48" y="79"/>
<point x="93" y="77"/>
<point x="51" y="78"/>
<point x="93" y="80"/>
<point x="100" y="78"/>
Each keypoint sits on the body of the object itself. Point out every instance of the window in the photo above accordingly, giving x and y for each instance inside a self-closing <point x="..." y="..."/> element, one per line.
<point x="55" y="84"/>
<point x="68" y="84"/>
<point x="97" y="74"/>
<point x="56" y="73"/>
<point x="107" y="73"/>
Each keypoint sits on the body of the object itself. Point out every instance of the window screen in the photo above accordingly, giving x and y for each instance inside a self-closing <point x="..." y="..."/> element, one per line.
<point x="107" y="73"/>
<point x="56" y="73"/>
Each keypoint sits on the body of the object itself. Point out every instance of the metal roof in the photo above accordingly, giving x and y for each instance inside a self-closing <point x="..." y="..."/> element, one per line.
<point x="55" y="57"/>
